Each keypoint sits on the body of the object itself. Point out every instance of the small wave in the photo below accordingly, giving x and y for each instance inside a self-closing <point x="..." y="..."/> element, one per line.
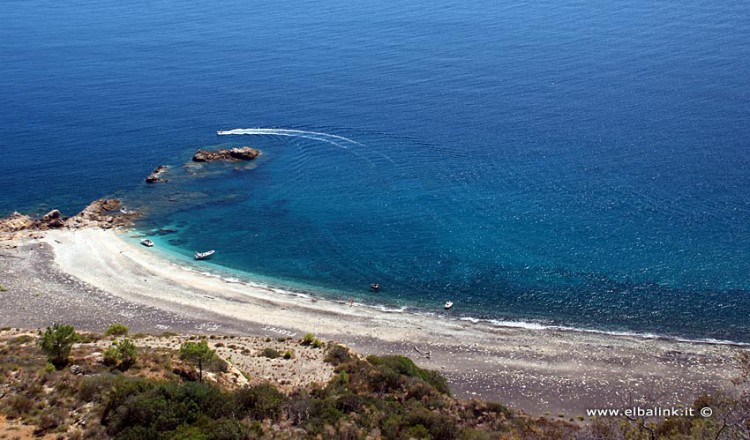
<point x="385" y="309"/>
<point x="232" y="280"/>
<point x="537" y="326"/>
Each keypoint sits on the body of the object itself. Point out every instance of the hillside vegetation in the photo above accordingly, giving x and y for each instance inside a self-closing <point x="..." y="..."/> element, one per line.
<point x="134" y="389"/>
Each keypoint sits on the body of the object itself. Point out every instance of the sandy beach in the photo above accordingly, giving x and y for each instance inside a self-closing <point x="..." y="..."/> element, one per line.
<point x="92" y="278"/>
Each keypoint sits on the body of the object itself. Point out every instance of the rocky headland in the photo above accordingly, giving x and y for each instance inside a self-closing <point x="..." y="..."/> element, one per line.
<point x="229" y="154"/>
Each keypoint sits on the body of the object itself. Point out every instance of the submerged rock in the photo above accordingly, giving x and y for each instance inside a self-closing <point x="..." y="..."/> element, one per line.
<point x="231" y="154"/>
<point x="155" y="175"/>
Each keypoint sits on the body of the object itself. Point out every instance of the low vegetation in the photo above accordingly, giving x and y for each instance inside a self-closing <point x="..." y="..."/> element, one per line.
<point x="116" y="330"/>
<point x="377" y="397"/>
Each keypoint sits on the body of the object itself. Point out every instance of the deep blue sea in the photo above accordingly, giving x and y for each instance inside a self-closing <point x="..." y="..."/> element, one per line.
<point x="567" y="163"/>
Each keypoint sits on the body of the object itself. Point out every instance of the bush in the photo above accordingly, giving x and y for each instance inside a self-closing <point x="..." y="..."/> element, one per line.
<point x="116" y="330"/>
<point x="122" y="354"/>
<point x="19" y="406"/>
<point x="57" y="342"/>
<point x="308" y="339"/>
<point x="316" y="343"/>
<point x="260" y="401"/>
<point x="20" y="340"/>
<point x="111" y="357"/>
<point x="404" y="366"/>
<point x="288" y="355"/>
<point x="338" y="354"/>
<point x="128" y="354"/>
<point x="270" y="353"/>
<point x="152" y="409"/>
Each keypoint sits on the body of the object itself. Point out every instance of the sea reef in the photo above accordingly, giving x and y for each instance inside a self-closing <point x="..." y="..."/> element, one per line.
<point x="230" y="154"/>
<point x="104" y="214"/>
<point x="155" y="175"/>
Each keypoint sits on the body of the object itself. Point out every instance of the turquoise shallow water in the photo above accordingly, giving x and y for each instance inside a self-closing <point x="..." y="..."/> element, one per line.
<point x="557" y="163"/>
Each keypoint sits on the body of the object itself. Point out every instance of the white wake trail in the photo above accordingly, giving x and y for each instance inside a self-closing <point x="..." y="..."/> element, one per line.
<point x="332" y="139"/>
<point x="324" y="137"/>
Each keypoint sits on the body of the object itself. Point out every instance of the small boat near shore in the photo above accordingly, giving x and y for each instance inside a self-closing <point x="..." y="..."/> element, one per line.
<point x="146" y="242"/>
<point x="204" y="255"/>
<point x="448" y="305"/>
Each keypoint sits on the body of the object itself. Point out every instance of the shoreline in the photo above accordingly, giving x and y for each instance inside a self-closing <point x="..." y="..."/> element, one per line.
<point x="542" y="371"/>
<point x="237" y="276"/>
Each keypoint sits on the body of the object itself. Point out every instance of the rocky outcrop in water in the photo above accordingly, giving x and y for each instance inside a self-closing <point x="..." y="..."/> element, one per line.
<point x="104" y="213"/>
<point x="231" y="154"/>
<point x="155" y="175"/>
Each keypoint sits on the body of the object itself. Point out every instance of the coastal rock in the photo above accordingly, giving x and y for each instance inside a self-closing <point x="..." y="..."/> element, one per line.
<point x="51" y="220"/>
<point x="104" y="213"/>
<point x="231" y="154"/>
<point x="155" y="175"/>
<point x="16" y="222"/>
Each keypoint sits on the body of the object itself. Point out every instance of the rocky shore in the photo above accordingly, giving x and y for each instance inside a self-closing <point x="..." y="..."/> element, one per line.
<point x="103" y="214"/>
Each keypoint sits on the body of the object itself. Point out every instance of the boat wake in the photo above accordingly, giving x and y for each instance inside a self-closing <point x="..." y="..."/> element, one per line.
<point x="332" y="139"/>
<point x="339" y="141"/>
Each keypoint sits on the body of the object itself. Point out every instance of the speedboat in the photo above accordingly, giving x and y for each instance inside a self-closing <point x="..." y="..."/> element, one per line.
<point x="146" y="242"/>
<point x="204" y="255"/>
<point x="448" y="305"/>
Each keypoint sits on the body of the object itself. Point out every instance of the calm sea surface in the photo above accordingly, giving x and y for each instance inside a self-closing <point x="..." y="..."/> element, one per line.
<point x="571" y="163"/>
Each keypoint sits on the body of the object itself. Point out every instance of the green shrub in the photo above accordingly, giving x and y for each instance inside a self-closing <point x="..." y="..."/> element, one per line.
<point x="95" y="388"/>
<point x="405" y="366"/>
<point x="111" y="356"/>
<point x="288" y="355"/>
<point x="128" y="354"/>
<point x="308" y="339"/>
<point x="316" y="343"/>
<point x="270" y="353"/>
<point x="122" y="354"/>
<point x="3" y="288"/>
<point x="260" y="401"/>
<point x="21" y="340"/>
<point x="19" y="406"/>
<point x="338" y="354"/>
<point x="161" y="410"/>
<point x="57" y="342"/>
<point x="116" y="330"/>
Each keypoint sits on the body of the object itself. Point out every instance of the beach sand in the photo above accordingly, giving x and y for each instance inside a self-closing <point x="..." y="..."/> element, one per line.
<point x="92" y="278"/>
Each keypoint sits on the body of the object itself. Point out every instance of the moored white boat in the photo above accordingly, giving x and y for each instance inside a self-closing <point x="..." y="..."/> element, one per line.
<point x="146" y="242"/>
<point x="448" y="305"/>
<point x="204" y="255"/>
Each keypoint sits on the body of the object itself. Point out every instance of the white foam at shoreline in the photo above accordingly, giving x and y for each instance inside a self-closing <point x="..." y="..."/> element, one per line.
<point x="536" y="327"/>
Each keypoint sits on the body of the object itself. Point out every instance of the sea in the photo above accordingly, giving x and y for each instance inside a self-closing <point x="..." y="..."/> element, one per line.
<point x="572" y="164"/>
